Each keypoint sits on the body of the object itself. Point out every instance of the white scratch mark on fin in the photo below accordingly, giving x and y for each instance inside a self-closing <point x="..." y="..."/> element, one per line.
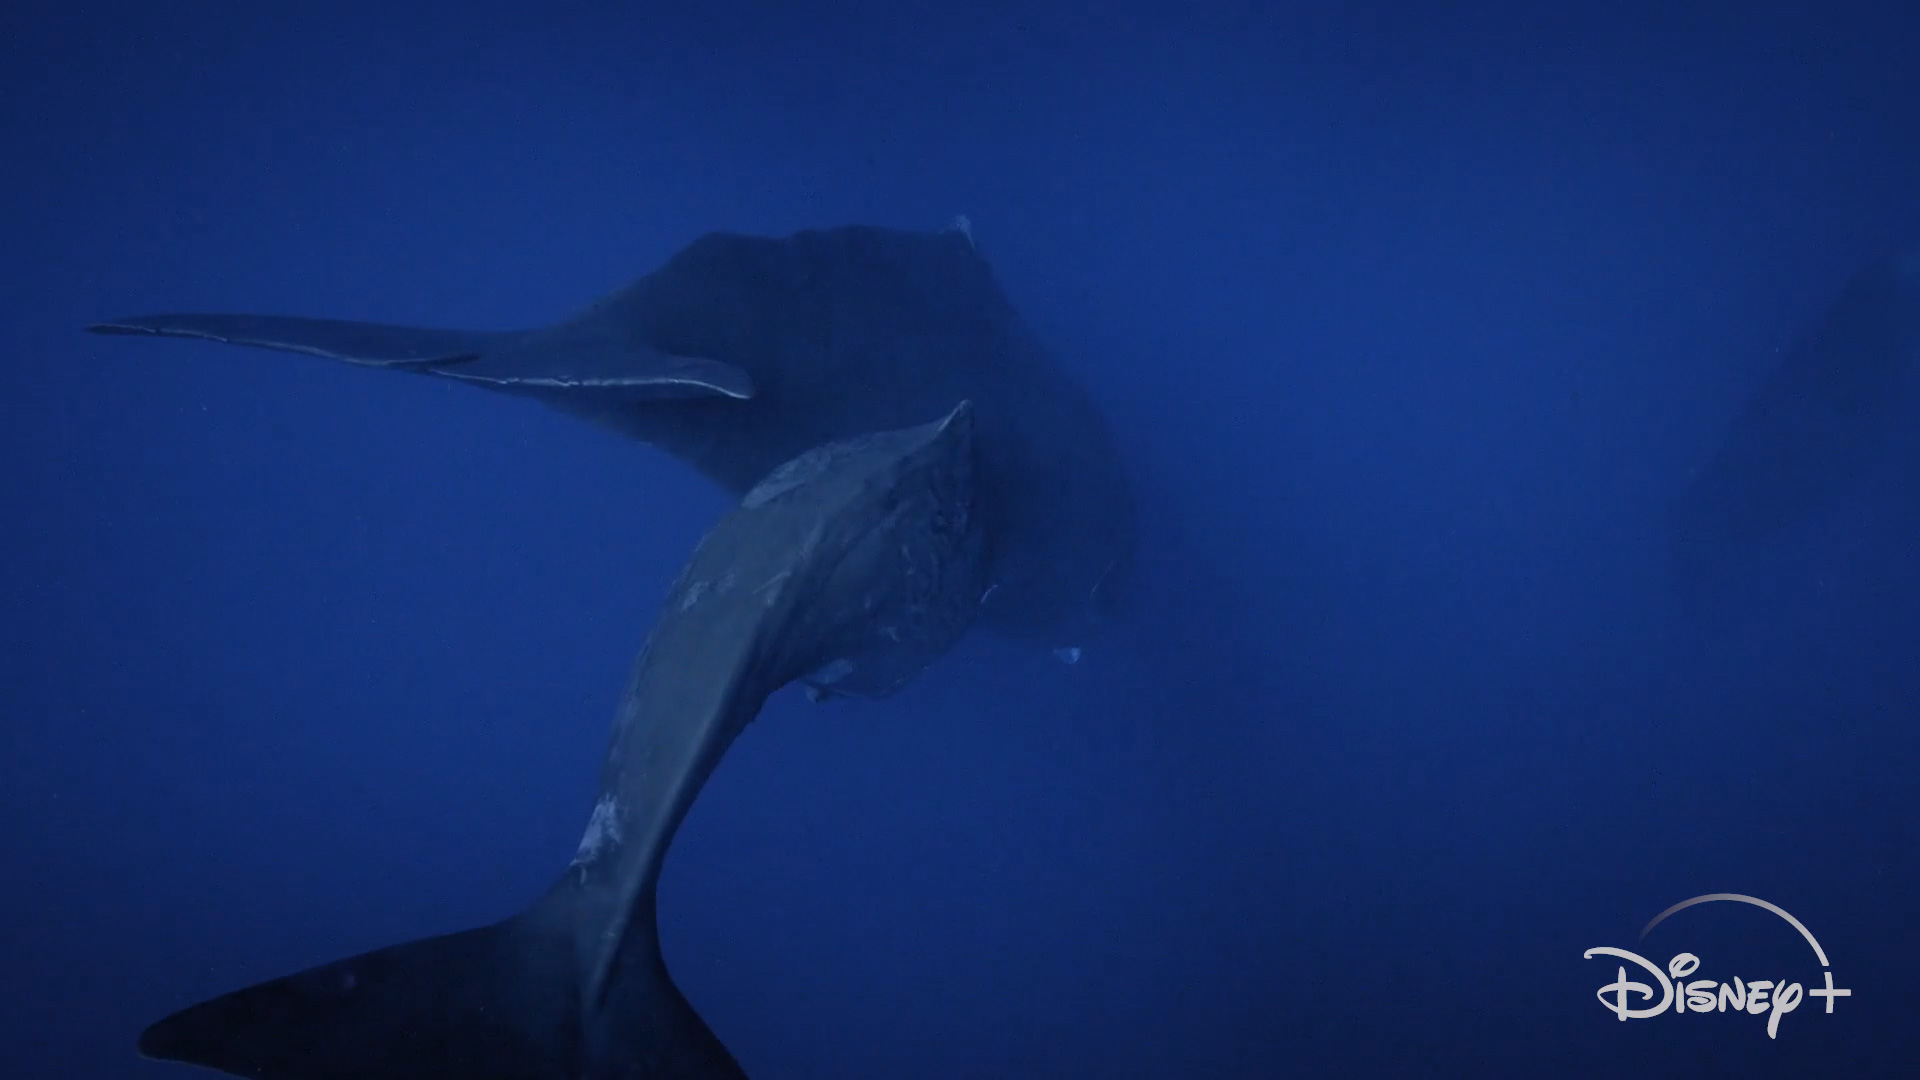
<point x="603" y="831"/>
<point x="964" y="227"/>
<point x="694" y="592"/>
<point x="770" y="588"/>
<point x="833" y="672"/>
<point x="784" y="478"/>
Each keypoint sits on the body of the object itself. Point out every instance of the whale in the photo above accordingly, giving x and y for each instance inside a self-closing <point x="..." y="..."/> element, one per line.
<point x="851" y="568"/>
<point x="740" y="352"/>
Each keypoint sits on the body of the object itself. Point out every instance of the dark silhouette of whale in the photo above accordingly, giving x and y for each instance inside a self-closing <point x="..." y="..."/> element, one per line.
<point x="854" y="565"/>
<point x="741" y="352"/>
<point x="1819" y="423"/>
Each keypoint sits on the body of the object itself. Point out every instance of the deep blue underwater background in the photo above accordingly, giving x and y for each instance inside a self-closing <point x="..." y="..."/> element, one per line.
<point x="1412" y="321"/>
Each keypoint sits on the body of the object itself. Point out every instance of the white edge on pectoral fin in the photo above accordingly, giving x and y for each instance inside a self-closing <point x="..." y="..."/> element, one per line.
<point x="364" y="344"/>
<point x="689" y="377"/>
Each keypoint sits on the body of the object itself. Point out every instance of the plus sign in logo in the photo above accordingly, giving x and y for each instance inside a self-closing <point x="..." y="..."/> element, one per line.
<point x="1628" y="998"/>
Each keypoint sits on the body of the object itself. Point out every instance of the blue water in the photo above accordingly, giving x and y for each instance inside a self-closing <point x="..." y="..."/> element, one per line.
<point x="1412" y="321"/>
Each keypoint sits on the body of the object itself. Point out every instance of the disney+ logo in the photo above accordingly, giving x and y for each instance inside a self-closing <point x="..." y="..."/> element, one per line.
<point x="1775" y="997"/>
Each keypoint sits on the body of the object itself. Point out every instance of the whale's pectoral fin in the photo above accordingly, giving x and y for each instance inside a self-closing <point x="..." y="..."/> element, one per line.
<point x="543" y="363"/>
<point x="562" y="361"/>
<point x="372" y="344"/>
